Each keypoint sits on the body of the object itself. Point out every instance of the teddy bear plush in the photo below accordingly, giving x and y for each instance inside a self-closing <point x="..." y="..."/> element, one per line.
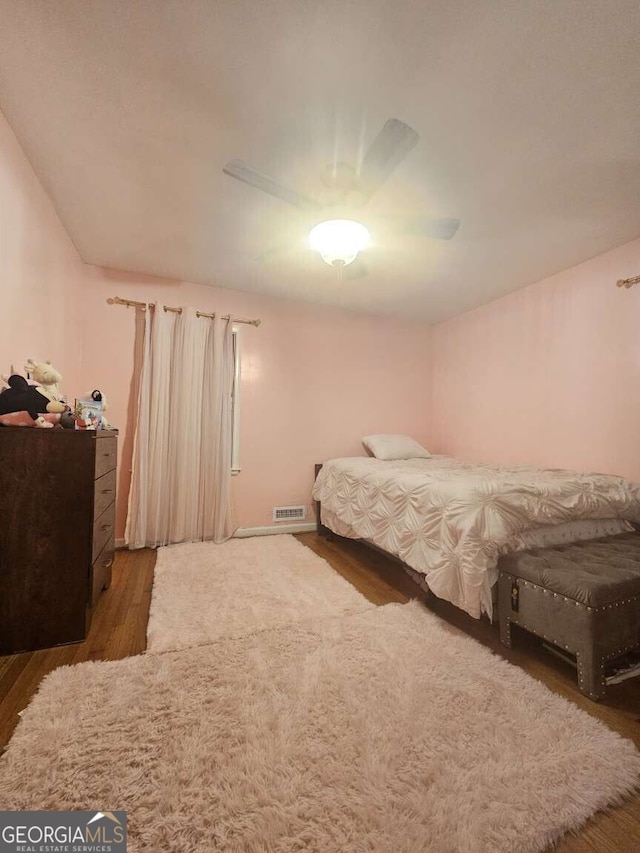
<point x="46" y="378"/>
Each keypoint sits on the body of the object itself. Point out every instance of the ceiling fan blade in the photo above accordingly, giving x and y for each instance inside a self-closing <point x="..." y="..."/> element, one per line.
<point x="356" y="269"/>
<point x="428" y="226"/>
<point x="274" y="253"/>
<point x="284" y="252"/>
<point x="388" y="149"/>
<point x="242" y="172"/>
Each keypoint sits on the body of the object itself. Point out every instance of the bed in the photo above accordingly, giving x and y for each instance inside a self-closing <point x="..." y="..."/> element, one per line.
<point x="450" y="521"/>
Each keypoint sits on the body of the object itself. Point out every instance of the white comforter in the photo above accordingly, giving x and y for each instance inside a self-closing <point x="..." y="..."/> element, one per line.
<point x="451" y="520"/>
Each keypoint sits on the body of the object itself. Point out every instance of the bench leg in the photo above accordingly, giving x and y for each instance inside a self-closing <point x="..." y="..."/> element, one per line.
<point x="590" y="673"/>
<point x="505" y="629"/>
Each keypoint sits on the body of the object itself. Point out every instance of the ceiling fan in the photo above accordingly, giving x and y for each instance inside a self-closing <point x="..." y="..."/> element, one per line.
<point x="340" y="240"/>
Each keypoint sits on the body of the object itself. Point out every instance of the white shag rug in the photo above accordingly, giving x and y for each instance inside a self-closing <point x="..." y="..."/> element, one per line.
<point x="385" y="731"/>
<point x="202" y="591"/>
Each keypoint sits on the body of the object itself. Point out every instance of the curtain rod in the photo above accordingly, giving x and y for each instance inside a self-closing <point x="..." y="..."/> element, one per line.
<point x="628" y="282"/>
<point x="117" y="300"/>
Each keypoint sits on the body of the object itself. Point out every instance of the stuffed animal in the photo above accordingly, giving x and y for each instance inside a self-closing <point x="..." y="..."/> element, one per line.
<point x="22" y="397"/>
<point x="99" y="397"/>
<point x="24" y="419"/>
<point x="47" y="379"/>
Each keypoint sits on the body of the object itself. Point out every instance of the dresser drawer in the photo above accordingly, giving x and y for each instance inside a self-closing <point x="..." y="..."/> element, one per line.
<point x="101" y="572"/>
<point x="103" y="531"/>
<point x="104" y="493"/>
<point x="106" y="454"/>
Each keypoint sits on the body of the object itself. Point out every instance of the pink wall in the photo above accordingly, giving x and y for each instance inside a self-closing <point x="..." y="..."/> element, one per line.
<point x="548" y="375"/>
<point x="39" y="271"/>
<point x="314" y="381"/>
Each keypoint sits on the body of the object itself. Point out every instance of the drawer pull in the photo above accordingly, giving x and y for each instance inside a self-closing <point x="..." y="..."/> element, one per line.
<point x="105" y="526"/>
<point x="107" y="454"/>
<point x="107" y="491"/>
<point x="109" y="564"/>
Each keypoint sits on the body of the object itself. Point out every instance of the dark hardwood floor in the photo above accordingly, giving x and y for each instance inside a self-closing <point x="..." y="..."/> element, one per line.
<point x="119" y="629"/>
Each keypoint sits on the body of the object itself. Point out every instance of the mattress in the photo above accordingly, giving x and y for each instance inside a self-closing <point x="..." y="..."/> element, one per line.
<point x="451" y="520"/>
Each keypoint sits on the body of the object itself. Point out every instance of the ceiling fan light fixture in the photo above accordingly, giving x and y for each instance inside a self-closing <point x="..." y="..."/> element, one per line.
<point x="339" y="240"/>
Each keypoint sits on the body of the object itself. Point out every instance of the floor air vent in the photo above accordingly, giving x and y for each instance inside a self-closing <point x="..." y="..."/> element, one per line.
<point x="289" y="513"/>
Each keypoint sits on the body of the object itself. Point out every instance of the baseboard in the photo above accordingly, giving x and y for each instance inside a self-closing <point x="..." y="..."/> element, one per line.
<point x="267" y="530"/>
<point x="270" y="529"/>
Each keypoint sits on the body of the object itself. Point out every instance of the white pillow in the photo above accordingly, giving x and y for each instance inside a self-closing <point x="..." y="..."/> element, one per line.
<point x="394" y="447"/>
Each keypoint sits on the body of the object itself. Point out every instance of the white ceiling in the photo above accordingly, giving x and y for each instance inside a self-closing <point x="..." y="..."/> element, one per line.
<point x="528" y="114"/>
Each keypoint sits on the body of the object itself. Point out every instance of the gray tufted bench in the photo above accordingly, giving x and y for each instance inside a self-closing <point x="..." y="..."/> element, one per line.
<point x="584" y="598"/>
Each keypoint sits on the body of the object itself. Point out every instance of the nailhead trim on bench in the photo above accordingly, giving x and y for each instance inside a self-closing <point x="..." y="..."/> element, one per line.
<point x="587" y="607"/>
<point x="556" y="642"/>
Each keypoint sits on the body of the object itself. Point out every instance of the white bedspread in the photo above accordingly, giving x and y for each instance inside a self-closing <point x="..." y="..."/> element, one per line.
<point x="451" y="520"/>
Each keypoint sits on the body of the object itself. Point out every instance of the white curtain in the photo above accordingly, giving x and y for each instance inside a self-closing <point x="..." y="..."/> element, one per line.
<point x="181" y="479"/>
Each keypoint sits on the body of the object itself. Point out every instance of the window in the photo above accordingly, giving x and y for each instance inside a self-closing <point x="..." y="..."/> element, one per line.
<point x="235" y="404"/>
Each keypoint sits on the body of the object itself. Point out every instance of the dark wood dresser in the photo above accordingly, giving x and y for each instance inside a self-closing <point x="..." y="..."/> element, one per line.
<point x="57" y="522"/>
